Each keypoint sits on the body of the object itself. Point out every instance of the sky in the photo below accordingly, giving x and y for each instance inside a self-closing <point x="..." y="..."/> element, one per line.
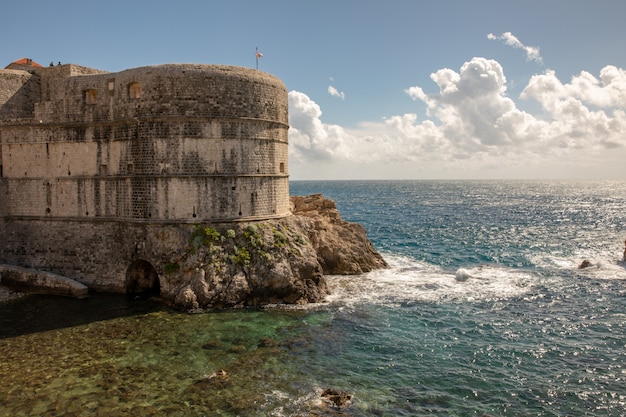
<point x="393" y="89"/>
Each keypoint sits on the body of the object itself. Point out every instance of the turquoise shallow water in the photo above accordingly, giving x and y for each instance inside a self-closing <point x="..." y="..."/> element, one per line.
<point x="483" y="311"/>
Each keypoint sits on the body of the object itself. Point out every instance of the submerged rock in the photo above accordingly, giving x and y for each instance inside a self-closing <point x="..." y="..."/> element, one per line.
<point x="217" y="380"/>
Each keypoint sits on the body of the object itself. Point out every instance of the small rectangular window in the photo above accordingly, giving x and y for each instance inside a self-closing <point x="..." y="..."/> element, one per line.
<point x="134" y="91"/>
<point x="90" y="96"/>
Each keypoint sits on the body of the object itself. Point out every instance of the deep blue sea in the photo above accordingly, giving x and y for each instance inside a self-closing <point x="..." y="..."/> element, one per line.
<point x="482" y="312"/>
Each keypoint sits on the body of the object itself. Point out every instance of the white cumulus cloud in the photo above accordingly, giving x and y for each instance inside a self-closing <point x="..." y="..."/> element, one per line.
<point x="471" y="124"/>
<point x="309" y="138"/>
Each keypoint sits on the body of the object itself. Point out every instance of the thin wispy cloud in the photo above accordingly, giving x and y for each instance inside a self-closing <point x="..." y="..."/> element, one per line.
<point x="336" y="93"/>
<point x="532" y="52"/>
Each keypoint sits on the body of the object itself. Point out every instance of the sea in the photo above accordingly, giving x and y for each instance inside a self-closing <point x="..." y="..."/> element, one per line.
<point x="483" y="311"/>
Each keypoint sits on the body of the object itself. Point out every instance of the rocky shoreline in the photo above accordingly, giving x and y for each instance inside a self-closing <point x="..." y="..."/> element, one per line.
<point x="258" y="263"/>
<point x="278" y="261"/>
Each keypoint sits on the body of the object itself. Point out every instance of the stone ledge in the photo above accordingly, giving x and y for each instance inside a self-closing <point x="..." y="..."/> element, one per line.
<point x="34" y="281"/>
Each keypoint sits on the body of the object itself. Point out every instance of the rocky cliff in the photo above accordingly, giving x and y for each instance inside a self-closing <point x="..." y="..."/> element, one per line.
<point x="342" y="247"/>
<point x="278" y="261"/>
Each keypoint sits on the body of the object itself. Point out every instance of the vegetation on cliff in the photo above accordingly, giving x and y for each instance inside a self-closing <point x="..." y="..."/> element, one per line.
<point x="277" y="261"/>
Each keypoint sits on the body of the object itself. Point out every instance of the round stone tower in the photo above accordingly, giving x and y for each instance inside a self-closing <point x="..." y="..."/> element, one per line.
<point x="173" y="143"/>
<point x="97" y="169"/>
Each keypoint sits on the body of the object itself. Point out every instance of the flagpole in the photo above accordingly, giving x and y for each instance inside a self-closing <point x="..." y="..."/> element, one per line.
<point x="258" y="55"/>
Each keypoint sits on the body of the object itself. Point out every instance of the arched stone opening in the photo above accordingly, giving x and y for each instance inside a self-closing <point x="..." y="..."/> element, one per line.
<point x="142" y="278"/>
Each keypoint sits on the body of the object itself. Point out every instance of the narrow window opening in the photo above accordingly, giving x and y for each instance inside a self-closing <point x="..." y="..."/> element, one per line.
<point x="90" y="96"/>
<point x="282" y="168"/>
<point x="134" y="91"/>
<point x="103" y="169"/>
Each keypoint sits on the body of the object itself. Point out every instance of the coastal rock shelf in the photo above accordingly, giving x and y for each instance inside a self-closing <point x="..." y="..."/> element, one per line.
<point x="35" y="281"/>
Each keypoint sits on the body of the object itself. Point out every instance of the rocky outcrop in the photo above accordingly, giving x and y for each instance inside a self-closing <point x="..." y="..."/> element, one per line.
<point x="342" y="247"/>
<point x="337" y="398"/>
<point x="241" y="264"/>
<point x="277" y="261"/>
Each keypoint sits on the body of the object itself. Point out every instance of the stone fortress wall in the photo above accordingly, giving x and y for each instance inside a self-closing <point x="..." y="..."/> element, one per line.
<point x="94" y="166"/>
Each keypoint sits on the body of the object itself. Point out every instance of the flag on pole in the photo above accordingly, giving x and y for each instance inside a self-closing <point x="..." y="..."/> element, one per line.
<point x="258" y="55"/>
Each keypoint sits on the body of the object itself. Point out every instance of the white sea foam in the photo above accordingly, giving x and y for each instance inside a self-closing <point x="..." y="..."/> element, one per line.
<point x="407" y="280"/>
<point x="299" y="404"/>
<point x="602" y="265"/>
<point x="604" y="269"/>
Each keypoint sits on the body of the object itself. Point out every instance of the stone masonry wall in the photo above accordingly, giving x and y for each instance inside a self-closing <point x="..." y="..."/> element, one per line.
<point x="98" y="254"/>
<point x="19" y="91"/>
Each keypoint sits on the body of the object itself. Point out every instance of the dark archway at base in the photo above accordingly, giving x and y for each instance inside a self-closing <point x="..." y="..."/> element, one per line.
<point x="142" y="278"/>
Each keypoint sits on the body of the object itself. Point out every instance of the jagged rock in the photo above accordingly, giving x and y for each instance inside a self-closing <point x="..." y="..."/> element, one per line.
<point x="245" y="263"/>
<point x="217" y="380"/>
<point x="585" y="264"/>
<point x="338" y="398"/>
<point x="342" y="247"/>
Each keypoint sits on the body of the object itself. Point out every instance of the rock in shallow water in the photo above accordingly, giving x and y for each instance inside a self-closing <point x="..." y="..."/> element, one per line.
<point x="336" y="397"/>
